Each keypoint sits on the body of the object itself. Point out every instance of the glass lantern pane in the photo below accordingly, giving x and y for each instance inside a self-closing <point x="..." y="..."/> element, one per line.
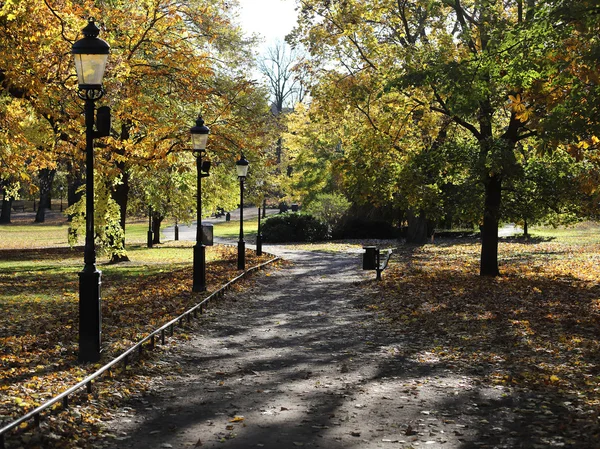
<point x="199" y="141"/>
<point x="242" y="170"/>
<point x="90" y="69"/>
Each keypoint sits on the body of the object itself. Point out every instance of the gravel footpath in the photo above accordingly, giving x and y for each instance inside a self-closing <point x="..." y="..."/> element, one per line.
<point x="298" y="361"/>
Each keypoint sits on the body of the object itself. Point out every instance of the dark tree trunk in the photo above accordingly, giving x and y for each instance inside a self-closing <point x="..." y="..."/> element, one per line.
<point x="74" y="182"/>
<point x="489" y="231"/>
<point x="121" y="196"/>
<point x="279" y="150"/>
<point x="40" y="215"/>
<point x="157" y="220"/>
<point x="6" y="208"/>
<point x="525" y="229"/>
<point x="46" y="177"/>
<point x="121" y="191"/>
<point x="419" y="229"/>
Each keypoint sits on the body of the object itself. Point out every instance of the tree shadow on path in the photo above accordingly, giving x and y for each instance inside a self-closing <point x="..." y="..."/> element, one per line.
<point x="300" y="360"/>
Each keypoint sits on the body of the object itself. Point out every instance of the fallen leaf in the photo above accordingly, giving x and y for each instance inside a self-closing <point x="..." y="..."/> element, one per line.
<point x="409" y="431"/>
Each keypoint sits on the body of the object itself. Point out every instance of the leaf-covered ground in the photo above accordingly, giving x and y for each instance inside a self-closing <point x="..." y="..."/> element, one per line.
<point x="39" y="326"/>
<point x="535" y="329"/>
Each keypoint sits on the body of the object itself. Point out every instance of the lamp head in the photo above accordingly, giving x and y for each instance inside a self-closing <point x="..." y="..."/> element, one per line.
<point x="199" y="136"/>
<point x="241" y="167"/>
<point x="91" y="55"/>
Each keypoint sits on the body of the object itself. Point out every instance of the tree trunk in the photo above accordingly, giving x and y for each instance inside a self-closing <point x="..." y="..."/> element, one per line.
<point x="279" y="150"/>
<point x="525" y="229"/>
<point x="121" y="195"/>
<point x="156" y="223"/>
<point x="40" y="215"/>
<point x="157" y="220"/>
<point x="419" y="228"/>
<point x="121" y="191"/>
<point x="6" y="209"/>
<point x="46" y="177"/>
<point x="74" y="182"/>
<point x="489" y="232"/>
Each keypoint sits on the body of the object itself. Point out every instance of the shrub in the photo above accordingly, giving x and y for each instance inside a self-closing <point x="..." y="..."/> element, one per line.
<point x="362" y="228"/>
<point x="290" y="227"/>
<point x="329" y="208"/>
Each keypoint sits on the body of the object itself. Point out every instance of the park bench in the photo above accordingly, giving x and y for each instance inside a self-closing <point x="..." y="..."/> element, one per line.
<point x="376" y="259"/>
<point x="18" y="205"/>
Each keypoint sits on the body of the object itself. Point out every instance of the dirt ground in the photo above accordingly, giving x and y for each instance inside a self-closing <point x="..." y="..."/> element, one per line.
<point x="298" y="361"/>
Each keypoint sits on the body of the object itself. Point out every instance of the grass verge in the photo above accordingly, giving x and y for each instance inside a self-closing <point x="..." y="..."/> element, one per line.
<point x="39" y="323"/>
<point x="532" y="332"/>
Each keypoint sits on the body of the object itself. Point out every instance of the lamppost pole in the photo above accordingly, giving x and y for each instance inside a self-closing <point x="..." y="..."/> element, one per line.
<point x="90" y="309"/>
<point x="90" y="250"/>
<point x="61" y="188"/>
<point x="199" y="284"/>
<point x="258" y="237"/>
<point x="242" y="171"/>
<point x="91" y="55"/>
<point x="149" y="233"/>
<point x="199" y="139"/>
<point x="241" y="242"/>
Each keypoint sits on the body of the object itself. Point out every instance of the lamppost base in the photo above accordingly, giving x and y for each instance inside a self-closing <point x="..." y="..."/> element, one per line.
<point x="241" y="255"/>
<point x="259" y="245"/>
<point x="90" y="315"/>
<point x="199" y="284"/>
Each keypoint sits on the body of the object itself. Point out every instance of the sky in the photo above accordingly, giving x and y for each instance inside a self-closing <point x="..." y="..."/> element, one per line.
<point x="272" y="19"/>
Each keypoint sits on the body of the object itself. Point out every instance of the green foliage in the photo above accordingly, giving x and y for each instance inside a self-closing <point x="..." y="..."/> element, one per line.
<point x="391" y="79"/>
<point x="329" y="208"/>
<point x="546" y="190"/>
<point x="294" y="227"/>
<point x="364" y="228"/>
<point x="108" y="233"/>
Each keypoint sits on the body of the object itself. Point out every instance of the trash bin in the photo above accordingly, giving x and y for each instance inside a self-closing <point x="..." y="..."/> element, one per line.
<point x="294" y="208"/>
<point x="207" y="234"/>
<point x="370" y="258"/>
<point x="227" y="216"/>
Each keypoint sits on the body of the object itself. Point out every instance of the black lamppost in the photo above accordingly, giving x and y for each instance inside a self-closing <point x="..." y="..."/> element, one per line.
<point x="61" y="188"/>
<point x="258" y="237"/>
<point x="199" y="140"/>
<point x="241" y="167"/>
<point x="259" y="185"/>
<point x="91" y="54"/>
<point x="149" y="233"/>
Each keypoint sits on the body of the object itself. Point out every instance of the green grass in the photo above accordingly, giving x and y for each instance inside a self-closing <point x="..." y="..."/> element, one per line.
<point x="21" y="252"/>
<point x="231" y="229"/>
<point x="586" y="233"/>
<point x="136" y="232"/>
<point x="33" y="235"/>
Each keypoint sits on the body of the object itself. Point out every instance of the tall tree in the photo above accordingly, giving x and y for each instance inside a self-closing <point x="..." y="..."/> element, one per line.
<point x="284" y="83"/>
<point x="485" y="65"/>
